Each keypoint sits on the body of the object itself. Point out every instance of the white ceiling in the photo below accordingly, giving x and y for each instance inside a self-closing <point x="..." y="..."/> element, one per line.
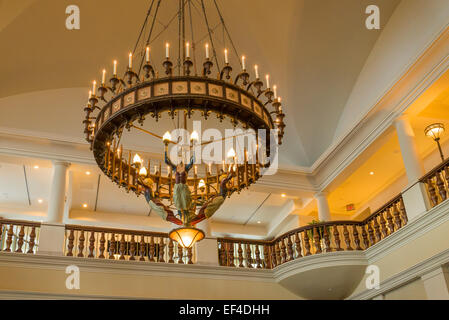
<point x="314" y="51"/>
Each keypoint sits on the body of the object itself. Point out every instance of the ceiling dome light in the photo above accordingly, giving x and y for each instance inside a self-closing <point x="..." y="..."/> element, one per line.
<point x="186" y="236"/>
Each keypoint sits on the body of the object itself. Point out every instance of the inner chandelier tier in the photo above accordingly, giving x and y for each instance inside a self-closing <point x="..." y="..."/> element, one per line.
<point x="145" y="93"/>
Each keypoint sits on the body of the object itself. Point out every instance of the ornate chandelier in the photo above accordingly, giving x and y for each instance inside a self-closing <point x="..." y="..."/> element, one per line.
<point x="180" y="195"/>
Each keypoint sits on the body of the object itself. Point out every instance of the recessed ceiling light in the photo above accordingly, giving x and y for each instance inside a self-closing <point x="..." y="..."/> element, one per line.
<point x="85" y="205"/>
<point x="88" y="173"/>
<point x="259" y="222"/>
<point x="283" y="195"/>
<point x="36" y="167"/>
<point x="371" y="173"/>
<point x="40" y="200"/>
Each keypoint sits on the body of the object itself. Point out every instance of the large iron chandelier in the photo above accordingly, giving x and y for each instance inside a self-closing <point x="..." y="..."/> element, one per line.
<point x="189" y="191"/>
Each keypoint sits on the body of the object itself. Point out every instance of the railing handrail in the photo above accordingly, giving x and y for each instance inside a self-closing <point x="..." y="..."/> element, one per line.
<point x="25" y="223"/>
<point x="434" y="170"/>
<point x="382" y="209"/>
<point x="115" y="231"/>
<point x="315" y="225"/>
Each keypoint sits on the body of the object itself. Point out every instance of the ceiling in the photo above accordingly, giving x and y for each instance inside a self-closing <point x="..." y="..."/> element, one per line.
<point x="50" y="68"/>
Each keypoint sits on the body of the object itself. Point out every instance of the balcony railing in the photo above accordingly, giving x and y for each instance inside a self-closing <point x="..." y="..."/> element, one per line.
<point x="19" y="236"/>
<point x="119" y="244"/>
<point x="314" y="239"/>
<point x="437" y="183"/>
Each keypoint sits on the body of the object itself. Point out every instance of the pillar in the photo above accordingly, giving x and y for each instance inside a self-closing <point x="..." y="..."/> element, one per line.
<point x="51" y="239"/>
<point x="324" y="213"/>
<point x="415" y="197"/>
<point x="207" y="249"/>
<point x="436" y="283"/>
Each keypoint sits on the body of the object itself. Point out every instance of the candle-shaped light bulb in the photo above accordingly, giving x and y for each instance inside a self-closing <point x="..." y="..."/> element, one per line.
<point x="167" y="50"/>
<point x="207" y="51"/>
<point x="166" y="138"/>
<point x="115" y="67"/>
<point x="94" y="87"/>
<point x="267" y="77"/>
<point x="231" y="153"/>
<point x="155" y="169"/>
<point x="147" y="54"/>
<point x="143" y="172"/>
<point x="243" y="63"/>
<point x="187" y="50"/>
<point x="226" y="56"/>
<point x="137" y="159"/>
<point x="130" y="61"/>
<point x="275" y="89"/>
<point x="90" y="94"/>
<point x="194" y="137"/>
<point x="210" y="167"/>
<point x="195" y="169"/>
<point x="256" y="68"/>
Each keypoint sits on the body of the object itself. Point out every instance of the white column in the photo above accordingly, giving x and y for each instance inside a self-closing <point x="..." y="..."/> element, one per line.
<point x="51" y="239"/>
<point x="57" y="193"/>
<point x="324" y="213"/>
<point x="207" y="249"/>
<point x="436" y="283"/>
<point x="415" y="198"/>
<point x="409" y="151"/>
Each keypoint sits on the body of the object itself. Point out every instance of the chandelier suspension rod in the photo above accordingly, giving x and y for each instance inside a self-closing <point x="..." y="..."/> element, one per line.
<point x="149" y="35"/>
<point x="193" y="36"/>
<point x="143" y="26"/>
<point x="210" y="35"/>
<point x="227" y="32"/>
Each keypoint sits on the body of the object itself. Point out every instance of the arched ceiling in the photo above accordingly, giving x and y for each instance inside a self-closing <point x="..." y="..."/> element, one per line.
<point x="314" y="51"/>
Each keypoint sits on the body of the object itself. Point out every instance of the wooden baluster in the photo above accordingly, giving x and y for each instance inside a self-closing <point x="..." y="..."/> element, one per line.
<point x="112" y="247"/>
<point x="132" y="249"/>
<point x="190" y="256"/>
<point x="1" y="233"/>
<point x="383" y="224"/>
<point x="298" y="245"/>
<point x="283" y="251"/>
<point x="337" y="239"/>
<point x="316" y="240"/>
<point x="122" y="247"/>
<point x="9" y="238"/>
<point x="306" y="243"/>
<point x="102" y="246"/>
<point x="170" y="251"/>
<point x="278" y="254"/>
<point x="180" y="254"/>
<point x="81" y="244"/>
<point x="249" y="260"/>
<point x="327" y="241"/>
<point x="441" y="186"/>
<point x="377" y="229"/>
<point x="151" y="255"/>
<point x="356" y="238"/>
<point x="397" y="217"/>
<point x="161" y="250"/>
<point x="365" y="236"/>
<point x="258" y="261"/>
<point x="240" y="253"/>
<point x="289" y="249"/>
<point x="432" y="193"/>
<point x="273" y="256"/>
<point x="347" y="239"/>
<point x="402" y="210"/>
<point x="390" y="220"/>
<point x="91" y="245"/>
<point x="372" y="238"/>
<point x="32" y="239"/>
<point x="231" y="255"/>
<point x="446" y="175"/>
<point x="142" y="248"/>
<point x="266" y="257"/>
<point x="20" y="241"/>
